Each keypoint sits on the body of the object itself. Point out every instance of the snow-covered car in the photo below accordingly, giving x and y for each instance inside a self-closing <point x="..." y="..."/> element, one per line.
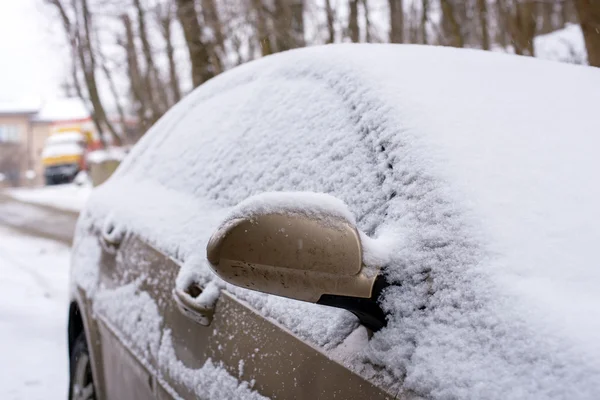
<point x="352" y="222"/>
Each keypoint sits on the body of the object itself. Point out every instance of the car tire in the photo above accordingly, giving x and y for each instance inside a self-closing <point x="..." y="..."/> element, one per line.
<point x="81" y="383"/>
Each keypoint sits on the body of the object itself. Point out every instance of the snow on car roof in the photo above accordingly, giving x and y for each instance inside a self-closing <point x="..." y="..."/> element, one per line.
<point x="481" y="166"/>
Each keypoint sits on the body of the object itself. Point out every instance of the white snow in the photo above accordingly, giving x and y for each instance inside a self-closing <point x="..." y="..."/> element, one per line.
<point x="566" y="45"/>
<point x="135" y="316"/>
<point x="65" y="137"/>
<point x="62" y="109"/>
<point x="211" y="381"/>
<point x="34" y="301"/>
<point x="62" y="149"/>
<point x="20" y="106"/>
<point x="474" y="171"/>
<point x="67" y="197"/>
<point x="317" y="205"/>
<point x="209" y="296"/>
<point x="111" y="153"/>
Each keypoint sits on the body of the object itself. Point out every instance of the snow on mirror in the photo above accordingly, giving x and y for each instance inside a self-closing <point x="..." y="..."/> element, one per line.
<point x="303" y="246"/>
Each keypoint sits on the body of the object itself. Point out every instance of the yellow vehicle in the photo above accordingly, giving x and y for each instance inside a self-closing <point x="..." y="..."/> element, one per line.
<point x="64" y="152"/>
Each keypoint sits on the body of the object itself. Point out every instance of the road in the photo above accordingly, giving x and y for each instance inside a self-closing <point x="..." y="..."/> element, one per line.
<point x="33" y="317"/>
<point x="38" y="220"/>
<point x="34" y="299"/>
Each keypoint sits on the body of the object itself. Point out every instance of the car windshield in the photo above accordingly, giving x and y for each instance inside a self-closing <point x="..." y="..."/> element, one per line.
<point x="299" y="199"/>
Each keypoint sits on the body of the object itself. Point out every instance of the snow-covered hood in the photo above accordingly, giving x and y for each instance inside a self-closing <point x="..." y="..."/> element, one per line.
<point x="483" y="164"/>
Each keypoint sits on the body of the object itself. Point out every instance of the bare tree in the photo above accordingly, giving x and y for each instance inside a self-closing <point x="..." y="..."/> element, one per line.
<point x="589" y="17"/>
<point x="424" y="19"/>
<point x="78" y="32"/>
<point x="157" y="99"/>
<point x="413" y="23"/>
<point x="330" y="13"/>
<point x="522" y="26"/>
<point x="353" y="28"/>
<point x="297" y="27"/>
<point x="262" y="30"/>
<point x="112" y="87"/>
<point x="483" y="22"/>
<point x="368" y="28"/>
<point x="449" y="17"/>
<point x="202" y="69"/>
<point x="134" y="73"/>
<point x="216" y="44"/>
<point x="396" y="21"/>
<point x="165" y="16"/>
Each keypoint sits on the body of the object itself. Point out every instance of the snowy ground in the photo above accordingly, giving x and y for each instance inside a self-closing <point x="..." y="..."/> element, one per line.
<point x="67" y="197"/>
<point x="33" y="317"/>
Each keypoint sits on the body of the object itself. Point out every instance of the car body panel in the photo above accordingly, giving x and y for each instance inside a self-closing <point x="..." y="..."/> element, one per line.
<point x="247" y="345"/>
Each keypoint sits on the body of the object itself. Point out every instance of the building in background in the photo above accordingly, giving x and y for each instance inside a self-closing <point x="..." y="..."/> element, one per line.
<point x="24" y="128"/>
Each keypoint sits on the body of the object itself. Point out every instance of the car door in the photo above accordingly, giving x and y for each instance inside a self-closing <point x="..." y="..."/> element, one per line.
<point x="246" y="347"/>
<point x="123" y="319"/>
<point x="223" y="151"/>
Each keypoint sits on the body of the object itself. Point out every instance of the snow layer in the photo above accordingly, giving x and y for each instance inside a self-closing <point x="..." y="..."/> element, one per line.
<point x="62" y="109"/>
<point x="111" y="153"/>
<point x="208" y="382"/>
<point x="65" y="137"/>
<point x="566" y="45"/>
<point x="34" y="301"/>
<point x="477" y="172"/>
<point x="62" y="149"/>
<point x="317" y="205"/>
<point x="134" y="314"/>
<point x="67" y="197"/>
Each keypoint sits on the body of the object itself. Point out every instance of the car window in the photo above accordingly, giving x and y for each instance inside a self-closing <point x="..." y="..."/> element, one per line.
<point x="254" y="138"/>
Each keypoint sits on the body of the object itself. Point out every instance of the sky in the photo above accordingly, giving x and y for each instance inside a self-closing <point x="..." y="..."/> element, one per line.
<point x="32" y="64"/>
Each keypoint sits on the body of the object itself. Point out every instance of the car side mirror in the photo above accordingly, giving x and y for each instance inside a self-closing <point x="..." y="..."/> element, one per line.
<point x="299" y="254"/>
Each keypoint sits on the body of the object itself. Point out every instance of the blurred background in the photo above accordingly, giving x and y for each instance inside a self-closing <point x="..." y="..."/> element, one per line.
<point x="80" y="78"/>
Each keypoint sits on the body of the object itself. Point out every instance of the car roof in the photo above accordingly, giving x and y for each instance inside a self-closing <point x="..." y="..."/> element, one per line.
<point x="475" y="172"/>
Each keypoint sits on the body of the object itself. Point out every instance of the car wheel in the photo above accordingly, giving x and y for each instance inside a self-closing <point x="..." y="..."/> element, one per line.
<point x="81" y="386"/>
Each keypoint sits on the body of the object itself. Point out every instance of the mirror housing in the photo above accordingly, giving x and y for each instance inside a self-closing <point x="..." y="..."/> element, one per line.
<point x="299" y="256"/>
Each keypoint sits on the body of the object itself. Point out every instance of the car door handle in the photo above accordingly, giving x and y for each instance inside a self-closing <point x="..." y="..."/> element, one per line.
<point x="196" y="303"/>
<point x="111" y="238"/>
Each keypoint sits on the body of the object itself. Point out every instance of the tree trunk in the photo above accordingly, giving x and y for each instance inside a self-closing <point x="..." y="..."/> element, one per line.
<point x="216" y="46"/>
<point x="111" y="85"/>
<point x="282" y="19"/>
<point x="503" y="30"/>
<point x="589" y="17"/>
<point x="448" y="15"/>
<point x="524" y="27"/>
<point x="424" y="18"/>
<point x="264" y="38"/>
<point x="298" y="22"/>
<point x="199" y="57"/>
<point x="483" y="22"/>
<point x="367" y="21"/>
<point x="546" y="13"/>
<point x="82" y="51"/>
<point x="88" y="63"/>
<point x="413" y="23"/>
<point x="165" y="20"/>
<point x="154" y="88"/>
<point x="568" y="12"/>
<point x="396" y="21"/>
<point x="135" y="75"/>
<point x="330" y="21"/>
<point x="353" y="29"/>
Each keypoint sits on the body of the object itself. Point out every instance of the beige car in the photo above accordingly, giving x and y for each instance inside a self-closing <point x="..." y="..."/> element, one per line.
<point x="349" y="222"/>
